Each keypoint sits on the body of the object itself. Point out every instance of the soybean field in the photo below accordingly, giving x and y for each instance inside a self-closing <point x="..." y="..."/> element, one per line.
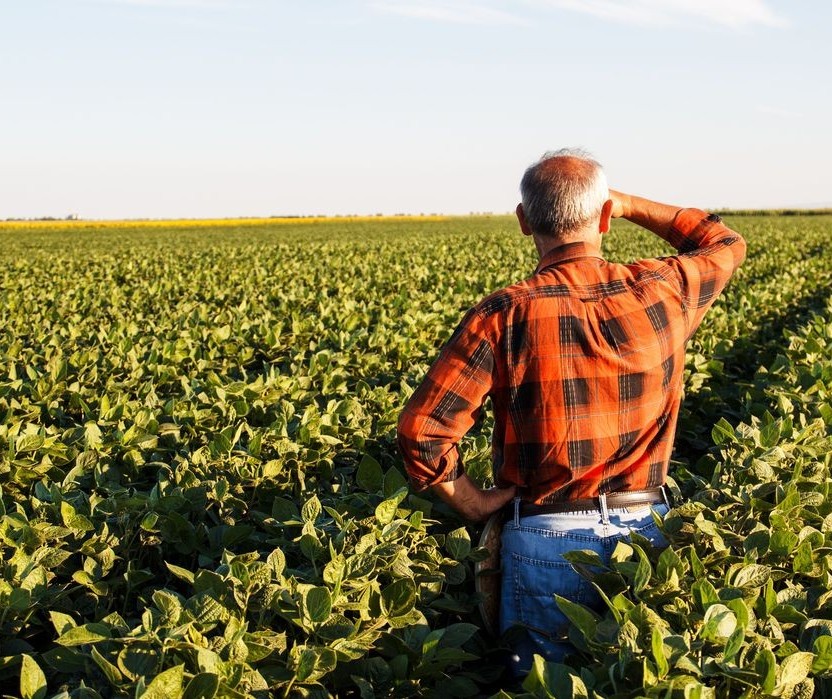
<point x="202" y="495"/>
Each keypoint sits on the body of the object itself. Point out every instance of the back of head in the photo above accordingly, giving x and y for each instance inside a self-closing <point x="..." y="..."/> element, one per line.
<point x="563" y="192"/>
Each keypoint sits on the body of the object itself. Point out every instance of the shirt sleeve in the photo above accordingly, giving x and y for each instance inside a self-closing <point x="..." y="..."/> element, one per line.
<point x="710" y="253"/>
<point x="446" y="405"/>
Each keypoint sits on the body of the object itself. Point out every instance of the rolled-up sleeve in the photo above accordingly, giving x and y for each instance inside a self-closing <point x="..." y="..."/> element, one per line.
<point x="710" y="253"/>
<point x="446" y="405"/>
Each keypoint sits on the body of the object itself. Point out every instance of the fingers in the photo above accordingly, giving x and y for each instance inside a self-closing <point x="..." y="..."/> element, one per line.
<point x="619" y="203"/>
<point x="497" y="498"/>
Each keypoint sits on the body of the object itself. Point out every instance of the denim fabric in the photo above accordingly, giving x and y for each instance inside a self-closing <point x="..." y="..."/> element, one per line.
<point x="534" y="570"/>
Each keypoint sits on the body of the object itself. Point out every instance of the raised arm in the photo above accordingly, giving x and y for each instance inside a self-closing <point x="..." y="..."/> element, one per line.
<point x="710" y="252"/>
<point x="655" y="217"/>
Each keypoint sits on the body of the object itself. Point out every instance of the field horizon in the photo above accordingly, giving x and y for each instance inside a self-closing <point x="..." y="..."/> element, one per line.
<point x="350" y="218"/>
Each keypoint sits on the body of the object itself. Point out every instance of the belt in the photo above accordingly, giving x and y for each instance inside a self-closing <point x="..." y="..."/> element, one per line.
<point x="628" y="498"/>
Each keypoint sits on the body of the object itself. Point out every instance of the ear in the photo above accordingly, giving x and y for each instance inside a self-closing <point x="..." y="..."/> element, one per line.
<point x="606" y="216"/>
<point x="521" y="218"/>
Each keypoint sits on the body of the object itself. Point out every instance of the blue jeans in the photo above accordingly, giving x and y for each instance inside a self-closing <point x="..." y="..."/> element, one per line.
<point x="533" y="570"/>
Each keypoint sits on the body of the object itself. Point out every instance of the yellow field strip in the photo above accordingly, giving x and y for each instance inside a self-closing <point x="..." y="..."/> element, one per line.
<point x="210" y="222"/>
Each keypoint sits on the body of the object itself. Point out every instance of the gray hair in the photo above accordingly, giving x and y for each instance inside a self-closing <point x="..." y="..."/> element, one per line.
<point x="560" y="195"/>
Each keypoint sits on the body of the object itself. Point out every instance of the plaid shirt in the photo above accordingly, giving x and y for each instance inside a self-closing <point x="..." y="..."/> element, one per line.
<point x="583" y="363"/>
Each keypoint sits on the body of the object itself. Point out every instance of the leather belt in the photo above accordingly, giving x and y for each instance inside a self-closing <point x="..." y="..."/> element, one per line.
<point x="628" y="498"/>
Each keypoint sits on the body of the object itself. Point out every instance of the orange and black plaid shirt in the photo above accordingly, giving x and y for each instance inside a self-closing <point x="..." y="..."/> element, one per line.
<point x="583" y="363"/>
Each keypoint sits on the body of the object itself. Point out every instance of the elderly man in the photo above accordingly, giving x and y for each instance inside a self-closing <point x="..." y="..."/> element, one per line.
<point x="583" y="362"/>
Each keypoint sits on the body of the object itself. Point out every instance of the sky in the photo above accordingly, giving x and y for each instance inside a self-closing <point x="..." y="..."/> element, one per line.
<point x="212" y="108"/>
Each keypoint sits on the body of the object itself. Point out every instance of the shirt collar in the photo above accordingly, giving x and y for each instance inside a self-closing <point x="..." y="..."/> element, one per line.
<point x="566" y="253"/>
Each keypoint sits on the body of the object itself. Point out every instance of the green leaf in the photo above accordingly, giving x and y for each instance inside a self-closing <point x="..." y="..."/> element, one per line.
<point x="751" y="576"/>
<point x="783" y="542"/>
<point x="277" y="561"/>
<point x="365" y="688"/>
<point x="149" y="522"/>
<point x="458" y="543"/>
<point x="311" y="663"/>
<point x="181" y="573"/>
<point x="657" y="646"/>
<point x="459" y="686"/>
<point x="583" y="618"/>
<point x="621" y="553"/>
<point x="359" y="566"/>
<point x="32" y="679"/>
<point x="92" y="435"/>
<point x="734" y="644"/>
<point x="457" y="635"/>
<point x="770" y="597"/>
<point x="369" y="475"/>
<point x="696" y="566"/>
<point x="644" y="571"/>
<point x="787" y="614"/>
<point x="770" y="434"/>
<point x="65" y="660"/>
<point x="765" y="665"/>
<point x="669" y="561"/>
<point x="722" y="432"/>
<point x="334" y="571"/>
<point x="137" y="661"/>
<point x="202" y="686"/>
<point x="803" y="561"/>
<point x="796" y="667"/>
<point x="62" y="622"/>
<point x="548" y="679"/>
<point x="111" y="672"/>
<point x="208" y="661"/>
<point x="585" y="557"/>
<point x="719" y="623"/>
<point x="742" y="610"/>
<point x="28" y="442"/>
<point x="284" y="510"/>
<point x="88" y="633"/>
<point x="318" y="604"/>
<point x="166" y="685"/>
<point x="822" y="649"/>
<point x="398" y="598"/>
<point x="72" y="520"/>
<point x="311" y="510"/>
<point x="386" y="510"/>
<point x="207" y="610"/>
<point x="353" y="648"/>
<point x="169" y="604"/>
<point x="704" y="593"/>
<point x="394" y="481"/>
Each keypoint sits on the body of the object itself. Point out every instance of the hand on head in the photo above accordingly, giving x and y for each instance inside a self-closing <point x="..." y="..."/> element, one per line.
<point x="620" y="203"/>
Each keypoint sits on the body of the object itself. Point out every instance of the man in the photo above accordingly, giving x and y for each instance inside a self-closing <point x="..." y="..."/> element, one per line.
<point x="584" y="363"/>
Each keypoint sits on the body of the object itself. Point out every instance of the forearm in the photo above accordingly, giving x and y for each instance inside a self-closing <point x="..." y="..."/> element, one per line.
<point x="655" y="217"/>
<point x="470" y="501"/>
<point x="710" y="252"/>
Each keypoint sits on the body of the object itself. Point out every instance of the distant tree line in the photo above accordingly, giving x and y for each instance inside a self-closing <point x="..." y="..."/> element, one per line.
<point x="773" y="212"/>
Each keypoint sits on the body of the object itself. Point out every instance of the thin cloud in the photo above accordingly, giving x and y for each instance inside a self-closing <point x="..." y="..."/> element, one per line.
<point x="198" y="4"/>
<point x="448" y="11"/>
<point x="733" y="14"/>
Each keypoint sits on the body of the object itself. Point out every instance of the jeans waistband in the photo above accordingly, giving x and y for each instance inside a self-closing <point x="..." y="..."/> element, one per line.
<point x="602" y="503"/>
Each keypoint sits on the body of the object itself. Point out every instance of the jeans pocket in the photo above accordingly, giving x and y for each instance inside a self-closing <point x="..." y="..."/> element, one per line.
<point x="536" y="582"/>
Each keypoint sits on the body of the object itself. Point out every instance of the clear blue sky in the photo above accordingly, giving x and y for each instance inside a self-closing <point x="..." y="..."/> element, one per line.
<point x="156" y="108"/>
